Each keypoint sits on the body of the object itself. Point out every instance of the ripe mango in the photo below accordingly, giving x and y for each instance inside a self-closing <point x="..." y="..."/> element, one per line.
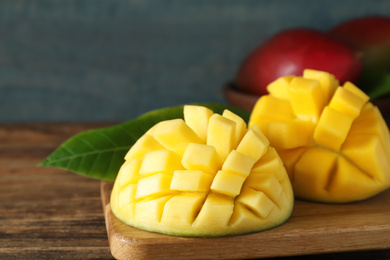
<point x="334" y="143"/>
<point x="204" y="176"/>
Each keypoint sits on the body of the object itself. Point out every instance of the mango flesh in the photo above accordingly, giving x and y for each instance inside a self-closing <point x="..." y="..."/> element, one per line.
<point x="334" y="143"/>
<point x="204" y="176"/>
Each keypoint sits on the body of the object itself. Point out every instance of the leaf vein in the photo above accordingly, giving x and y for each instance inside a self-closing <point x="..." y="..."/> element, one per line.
<point x="69" y="158"/>
<point x="108" y="138"/>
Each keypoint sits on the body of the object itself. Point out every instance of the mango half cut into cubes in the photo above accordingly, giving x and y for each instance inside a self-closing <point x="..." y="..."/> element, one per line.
<point x="334" y="143"/>
<point x="204" y="176"/>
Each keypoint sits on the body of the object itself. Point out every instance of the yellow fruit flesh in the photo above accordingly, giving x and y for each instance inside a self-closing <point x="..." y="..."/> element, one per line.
<point x="327" y="81"/>
<point x="335" y="146"/>
<point x="279" y="88"/>
<point x="230" y="182"/>
<point x="197" y="117"/>
<point x="306" y="98"/>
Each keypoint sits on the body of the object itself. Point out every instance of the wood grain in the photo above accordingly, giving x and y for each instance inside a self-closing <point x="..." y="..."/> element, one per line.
<point x="312" y="229"/>
<point x="48" y="213"/>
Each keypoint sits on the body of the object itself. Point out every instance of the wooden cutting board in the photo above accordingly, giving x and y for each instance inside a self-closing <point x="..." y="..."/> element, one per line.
<point x="313" y="228"/>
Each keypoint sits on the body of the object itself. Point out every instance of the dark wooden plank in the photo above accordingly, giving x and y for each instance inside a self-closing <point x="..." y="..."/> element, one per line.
<point x="312" y="229"/>
<point x="46" y="213"/>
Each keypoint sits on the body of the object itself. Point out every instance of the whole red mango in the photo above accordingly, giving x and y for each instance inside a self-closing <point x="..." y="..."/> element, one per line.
<point x="290" y="52"/>
<point x="371" y="36"/>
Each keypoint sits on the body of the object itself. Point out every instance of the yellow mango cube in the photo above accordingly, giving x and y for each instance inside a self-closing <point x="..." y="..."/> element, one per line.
<point x="160" y="161"/>
<point x="227" y="183"/>
<point x="350" y="183"/>
<point x="346" y="102"/>
<point x="266" y="183"/>
<point x="158" y="183"/>
<point x="189" y="205"/>
<point x="190" y="186"/>
<point x="332" y="129"/>
<point x="127" y="195"/>
<point x="369" y="155"/>
<point x="313" y="173"/>
<point x="142" y="146"/>
<point x="201" y="157"/>
<point x="240" y="130"/>
<point x="371" y="123"/>
<point x="238" y="163"/>
<point x="327" y="81"/>
<point x="243" y="217"/>
<point x="129" y="172"/>
<point x="279" y="87"/>
<point x="189" y="180"/>
<point x="290" y="158"/>
<point x="290" y="134"/>
<point x="150" y="211"/>
<point x="215" y="214"/>
<point x="221" y="135"/>
<point x="306" y="98"/>
<point x="197" y="118"/>
<point x="257" y="201"/>
<point x="270" y="108"/>
<point x="355" y="90"/>
<point x="254" y="144"/>
<point x="270" y="163"/>
<point x="127" y="211"/>
<point x="175" y="135"/>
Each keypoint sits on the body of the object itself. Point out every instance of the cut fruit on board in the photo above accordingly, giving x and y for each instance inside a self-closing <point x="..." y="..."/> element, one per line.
<point x="312" y="229"/>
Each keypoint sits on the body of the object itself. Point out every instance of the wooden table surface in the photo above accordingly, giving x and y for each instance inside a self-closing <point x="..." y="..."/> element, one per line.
<point x="48" y="213"/>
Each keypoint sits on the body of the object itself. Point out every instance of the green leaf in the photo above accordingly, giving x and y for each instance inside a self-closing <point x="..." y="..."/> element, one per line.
<point x="99" y="153"/>
<point x="375" y="83"/>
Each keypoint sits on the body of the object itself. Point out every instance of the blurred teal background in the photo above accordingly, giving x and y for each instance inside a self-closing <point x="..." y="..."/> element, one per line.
<point x="100" y="60"/>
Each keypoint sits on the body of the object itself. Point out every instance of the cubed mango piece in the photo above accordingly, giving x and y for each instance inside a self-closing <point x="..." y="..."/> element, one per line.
<point x="306" y="97"/>
<point x="240" y="130"/>
<point x="187" y="185"/>
<point x="238" y="163"/>
<point x="279" y="87"/>
<point x="349" y="183"/>
<point x="346" y="102"/>
<point x="197" y="118"/>
<point x="271" y="108"/>
<point x="221" y="135"/>
<point x="189" y="205"/>
<point x="160" y="161"/>
<point x="227" y="183"/>
<point x="266" y="183"/>
<point x="142" y="146"/>
<point x="290" y="134"/>
<point x="328" y="81"/>
<point x="190" y="180"/>
<point x="129" y="172"/>
<point x="254" y="144"/>
<point x="332" y="129"/>
<point x="215" y="213"/>
<point x="150" y="210"/>
<point x="347" y="132"/>
<point x="355" y="90"/>
<point x="175" y="135"/>
<point x="257" y="201"/>
<point x="313" y="173"/>
<point x="201" y="157"/>
<point x="158" y="183"/>
<point x="270" y="163"/>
